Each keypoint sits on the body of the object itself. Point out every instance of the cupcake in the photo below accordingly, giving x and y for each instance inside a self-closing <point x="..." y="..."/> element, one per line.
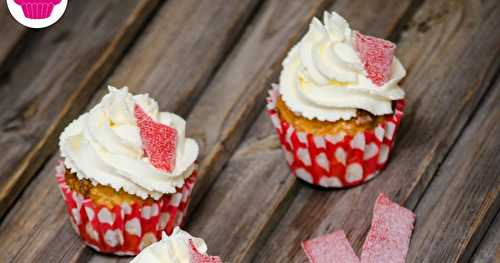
<point x="338" y="104"/>
<point x="127" y="172"/>
<point x="37" y="9"/>
<point x="180" y="247"/>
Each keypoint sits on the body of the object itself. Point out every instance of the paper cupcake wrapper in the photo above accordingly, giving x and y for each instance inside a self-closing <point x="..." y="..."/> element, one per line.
<point x="339" y="160"/>
<point x="125" y="229"/>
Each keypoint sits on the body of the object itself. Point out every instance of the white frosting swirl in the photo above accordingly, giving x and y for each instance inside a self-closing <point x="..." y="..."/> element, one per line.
<point x="324" y="78"/>
<point x="171" y="249"/>
<point x="104" y="146"/>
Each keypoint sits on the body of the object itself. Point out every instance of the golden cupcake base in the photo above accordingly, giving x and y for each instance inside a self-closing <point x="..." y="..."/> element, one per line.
<point x="362" y="122"/>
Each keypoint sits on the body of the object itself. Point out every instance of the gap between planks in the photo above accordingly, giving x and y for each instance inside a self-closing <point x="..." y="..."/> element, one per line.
<point x="488" y="249"/>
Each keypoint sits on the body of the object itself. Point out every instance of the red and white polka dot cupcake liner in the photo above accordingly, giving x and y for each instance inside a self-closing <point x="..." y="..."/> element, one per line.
<point x="125" y="229"/>
<point x="339" y="160"/>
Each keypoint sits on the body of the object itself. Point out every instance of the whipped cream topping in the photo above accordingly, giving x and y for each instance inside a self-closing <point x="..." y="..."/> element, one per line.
<point x="324" y="78"/>
<point x="104" y="146"/>
<point x="171" y="249"/>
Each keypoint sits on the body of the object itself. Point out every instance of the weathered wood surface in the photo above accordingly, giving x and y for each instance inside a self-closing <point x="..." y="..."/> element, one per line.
<point x="489" y="248"/>
<point x="438" y="47"/>
<point x="464" y="197"/>
<point x="53" y="79"/>
<point x="35" y="229"/>
<point x="179" y="52"/>
<point x="11" y="33"/>
<point x="214" y="68"/>
<point x="209" y="40"/>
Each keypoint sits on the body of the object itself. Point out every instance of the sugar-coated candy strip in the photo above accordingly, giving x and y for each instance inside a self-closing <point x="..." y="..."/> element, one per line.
<point x="330" y="248"/>
<point x="389" y="237"/>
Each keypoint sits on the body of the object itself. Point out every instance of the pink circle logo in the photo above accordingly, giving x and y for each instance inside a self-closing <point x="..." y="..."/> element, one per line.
<point x="37" y="13"/>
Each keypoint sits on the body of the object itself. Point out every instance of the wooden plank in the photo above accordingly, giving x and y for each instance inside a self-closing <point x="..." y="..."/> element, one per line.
<point x="174" y="61"/>
<point x="53" y="80"/>
<point x="37" y="229"/>
<point x="489" y="248"/>
<point x="11" y="32"/>
<point x="258" y="163"/>
<point x="462" y="200"/>
<point x="440" y="43"/>
<point x="200" y="22"/>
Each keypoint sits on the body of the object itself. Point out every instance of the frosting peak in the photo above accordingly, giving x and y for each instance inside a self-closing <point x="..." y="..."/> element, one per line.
<point x="323" y="76"/>
<point x="105" y="146"/>
<point x="326" y="53"/>
<point x="171" y="249"/>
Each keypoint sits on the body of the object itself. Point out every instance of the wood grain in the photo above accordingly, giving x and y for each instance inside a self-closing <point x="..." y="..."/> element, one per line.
<point x="180" y="51"/>
<point x="209" y="40"/>
<point x="37" y="228"/>
<point x="489" y="248"/>
<point x="11" y="32"/>
<point x="462" y="200"/>
<point x="53" y="79"/>
<point x="442" y="91"/>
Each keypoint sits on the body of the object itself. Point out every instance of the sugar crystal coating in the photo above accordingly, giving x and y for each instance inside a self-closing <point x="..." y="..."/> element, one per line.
<point x="159" y="140"/>
<point x="389" y="237"/>
<point x="330" y="248"/>
<point x="376" y="55"/>
<point x="197" y="257"/>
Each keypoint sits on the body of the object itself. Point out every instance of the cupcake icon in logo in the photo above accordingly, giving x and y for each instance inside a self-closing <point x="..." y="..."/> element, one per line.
<point x="37" y="13"/>
<point x="37" y="9"/>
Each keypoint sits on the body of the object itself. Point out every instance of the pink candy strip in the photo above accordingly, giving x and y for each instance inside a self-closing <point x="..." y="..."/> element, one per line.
<point x="331" y="248"/>
<point x="387" y="242"/>
<point x="389" y="237"/>
<point x="197" y="257"/>
<point x="377" y="55"/>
